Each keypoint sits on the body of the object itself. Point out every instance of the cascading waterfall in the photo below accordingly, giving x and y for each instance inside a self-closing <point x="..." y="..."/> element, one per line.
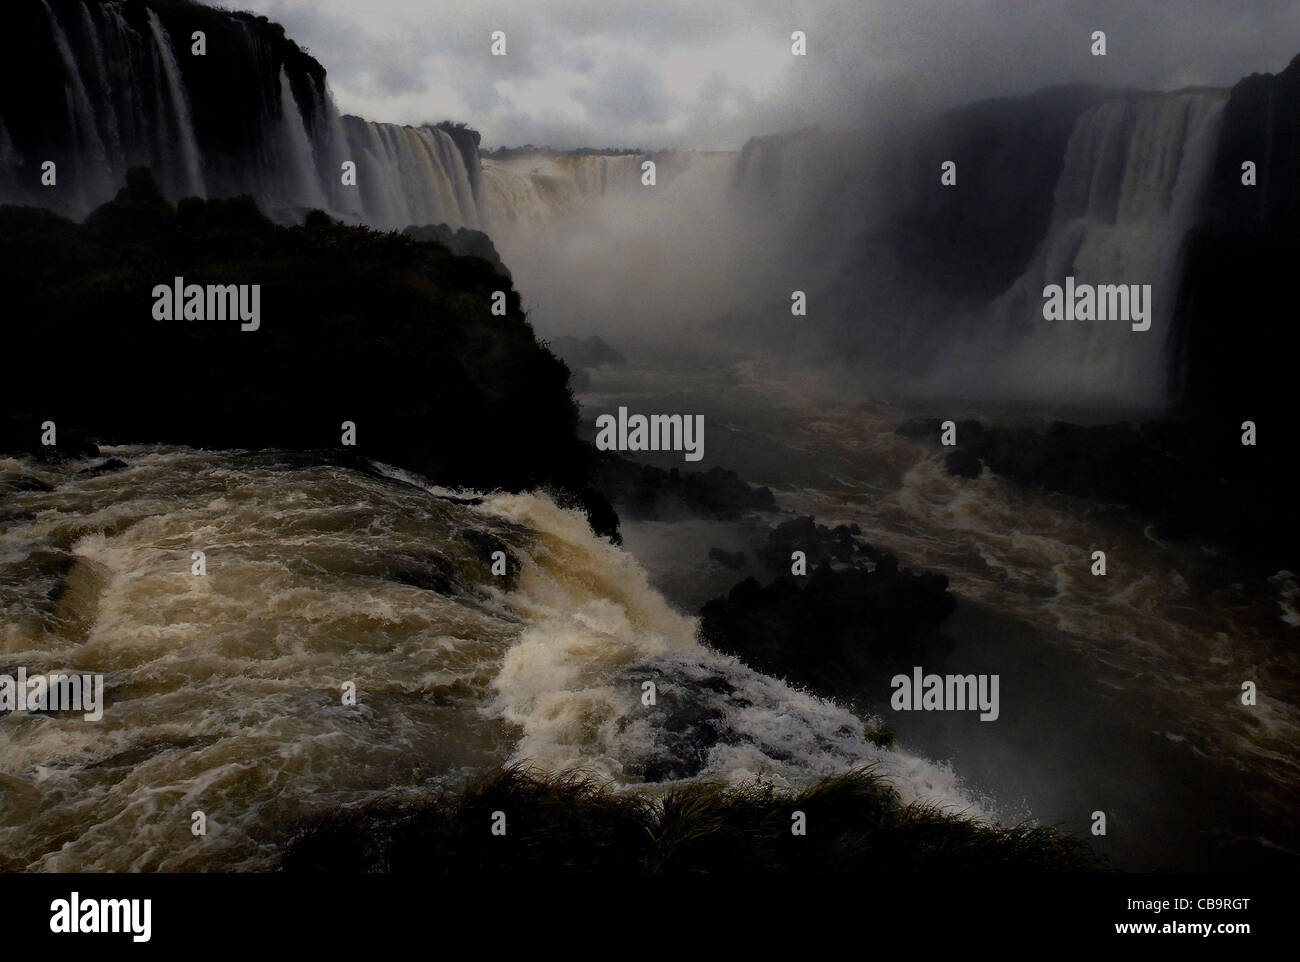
<point x="124" y="79"/>
<point x="534" y="190"/>
<point x="527" y="200"/>
<point x="122" y="47"/>
<point x="299" y="155"/>
<point x="179" y="100"/>
<point x="101" y="80"/>
<point x="1129" y="191"/>
<point x="531" y="192"/>
<point x="409" y="175"/>
<point x="82" y="122"/>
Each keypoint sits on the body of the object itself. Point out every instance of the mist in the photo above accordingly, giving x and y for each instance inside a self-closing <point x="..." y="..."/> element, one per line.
<point x="715" y="238"/>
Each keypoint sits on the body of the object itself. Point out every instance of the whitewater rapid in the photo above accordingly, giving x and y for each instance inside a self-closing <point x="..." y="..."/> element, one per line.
<point x="1118" y="692"/>
<point x="224" y="690"/>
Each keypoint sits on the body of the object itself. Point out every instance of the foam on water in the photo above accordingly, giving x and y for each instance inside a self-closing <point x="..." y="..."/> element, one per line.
<point x="223" y="692"/>
<point x="597" y="630"/>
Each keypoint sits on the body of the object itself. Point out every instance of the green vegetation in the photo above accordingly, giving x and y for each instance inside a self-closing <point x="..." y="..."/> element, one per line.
<point x="882" y="736"/>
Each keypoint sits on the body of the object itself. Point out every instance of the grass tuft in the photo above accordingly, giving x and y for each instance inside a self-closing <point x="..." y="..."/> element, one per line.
<point x="575" y="822"/>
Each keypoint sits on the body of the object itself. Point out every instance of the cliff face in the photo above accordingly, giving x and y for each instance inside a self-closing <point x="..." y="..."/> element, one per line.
<point x="975" y="241"/>
<point x="1237" y="331"/>
<point x="381" y="330"/>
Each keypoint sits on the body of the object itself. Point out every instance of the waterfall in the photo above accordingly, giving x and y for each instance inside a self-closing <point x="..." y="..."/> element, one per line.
<point x="419" y="175"/>
<point x="522" y="199"/>
<point x="1129" y="190"/>
<point x="334" y="148"/>
<point x="87" y="147"/>
<point x="124" y="48"/>
<point x="303" y="185"/>
<point x="101" y="79"/>
<point x="477" y="677"/>
<point x="535" y="191"/>
<point x="450" y="160"/>
<point x="180" y="109"/>
<point x="1129" y="186"/>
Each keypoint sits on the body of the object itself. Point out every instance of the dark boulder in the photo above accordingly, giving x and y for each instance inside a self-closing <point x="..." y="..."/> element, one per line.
<point x="26" y="483"/>
<point x="963" y="464"/>
<point x="843" y="629"/>
<point x="819" y="544"/>
<point x="644" y="491"/>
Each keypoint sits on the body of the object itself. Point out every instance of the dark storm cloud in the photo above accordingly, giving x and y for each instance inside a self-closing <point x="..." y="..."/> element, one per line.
<point x="711" y="73"/>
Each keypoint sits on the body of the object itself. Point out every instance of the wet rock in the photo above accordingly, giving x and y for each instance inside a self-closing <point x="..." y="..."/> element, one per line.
<point x="691" y="728"/>
<point x="840" y="633"/>
<point x="601" y="515"/>
<point x="432" y="572"/>
<point x="919" y="429"/>
<point x="643" y="491"/>
<point x="486" y="545"/>
<point x="963" y="464"/>
<point x="26" y="482"/>
<point x="110" y="466"/>
<point x="818" y="543"/>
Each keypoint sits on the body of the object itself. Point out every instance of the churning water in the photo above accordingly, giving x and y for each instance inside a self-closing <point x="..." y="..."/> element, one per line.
<point x="223" y="691"/>
<point x="1119" y="693"/>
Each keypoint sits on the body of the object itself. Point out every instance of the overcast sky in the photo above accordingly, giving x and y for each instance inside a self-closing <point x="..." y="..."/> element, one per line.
<point x="708" y="74"/>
